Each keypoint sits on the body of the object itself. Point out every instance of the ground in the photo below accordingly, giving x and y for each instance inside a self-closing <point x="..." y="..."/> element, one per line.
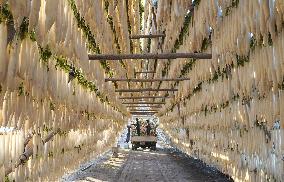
<point x="165" y="164"/>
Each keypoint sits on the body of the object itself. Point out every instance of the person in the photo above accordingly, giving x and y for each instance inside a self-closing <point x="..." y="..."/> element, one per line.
<point x="128" y="134"/>
<point x="148" y="128"/>
<point x="137" y="127"/>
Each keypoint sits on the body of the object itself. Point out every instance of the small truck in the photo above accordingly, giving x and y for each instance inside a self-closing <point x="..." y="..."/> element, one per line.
<point x="145" y="139"/>
<point x="144" y="142"/>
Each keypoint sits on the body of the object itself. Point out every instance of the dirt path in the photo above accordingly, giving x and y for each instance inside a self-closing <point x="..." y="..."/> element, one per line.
<point x="147" y="166"/>
<point x="166" y="164"/>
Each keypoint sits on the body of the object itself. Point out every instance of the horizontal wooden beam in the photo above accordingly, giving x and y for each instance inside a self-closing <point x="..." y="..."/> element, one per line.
<point x="150" y="56"/>
<point x="138" y="110"/>
<point x="143" y="103"/>
<point x="137" y="72"/>
<point x="146" y="36"/>
<point x="132" y="106"/>
<point x="144" y="80"/>
<point x="143" y="113"/>
<point x="147" y="97"/>
<point x="145" y="90"/>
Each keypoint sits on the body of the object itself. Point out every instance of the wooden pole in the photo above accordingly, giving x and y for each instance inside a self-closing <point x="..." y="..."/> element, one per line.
<point x="29" y="152"/>
<point x="146" y="36"/>
<point x="147" y="97"/>
<point x="144" y="80"/>
<point x="150" y="56"/>
<point x="27" y="139"/>
<point x="50" y="136"/>
<point x="145" y="90"/>
<point x="143" y="103"/>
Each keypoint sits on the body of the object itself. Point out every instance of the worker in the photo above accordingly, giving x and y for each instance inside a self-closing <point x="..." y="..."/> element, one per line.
<point x="148" y="127"/>
<point x="128" y="134"/>
<point x="137" y="127"/>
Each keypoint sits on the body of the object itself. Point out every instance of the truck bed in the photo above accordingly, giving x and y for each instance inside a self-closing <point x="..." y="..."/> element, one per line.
<point x="144" y="139"/>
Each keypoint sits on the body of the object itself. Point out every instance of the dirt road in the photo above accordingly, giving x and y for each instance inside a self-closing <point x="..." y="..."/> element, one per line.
<point x="148" y="166"/>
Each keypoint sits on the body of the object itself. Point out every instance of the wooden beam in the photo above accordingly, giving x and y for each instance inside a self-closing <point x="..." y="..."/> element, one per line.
<point x="144" y="72"/>
<point x="142" y="114"/>
<point x="133" y="113"/>
<point x="131" y="106"/>
<point x="143" y="103"/>
<point x="145" y="90"/>
<point x="147" y="97"/>
<point x="27" y="139"/>
<point x="144" y="80"/>
<point x="138" y="110"/>
<point x="29" y="152"/>
<point x="143" y="111"/>
<point x="146" y="36"/>
<point x="150" y="56"/>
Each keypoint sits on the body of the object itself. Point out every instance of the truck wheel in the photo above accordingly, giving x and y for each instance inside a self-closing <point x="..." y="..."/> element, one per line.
<point x="134" y="147"/>
<point x="153" y="147"/>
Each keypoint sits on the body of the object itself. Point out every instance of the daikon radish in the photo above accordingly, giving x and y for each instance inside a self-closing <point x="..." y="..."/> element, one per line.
<point x="5" y="110"/>
<point x="3" y="52"/>
<point x="17" y="11"/>
<point x="2" y="154"/>
<point x="281" y="100"/>
<point x="12" y="66"/>
<point x="51" y="7"/>
<point x="34" y="13"/>
<point x="41" y="28"/>
<point x="23" y="57"/>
